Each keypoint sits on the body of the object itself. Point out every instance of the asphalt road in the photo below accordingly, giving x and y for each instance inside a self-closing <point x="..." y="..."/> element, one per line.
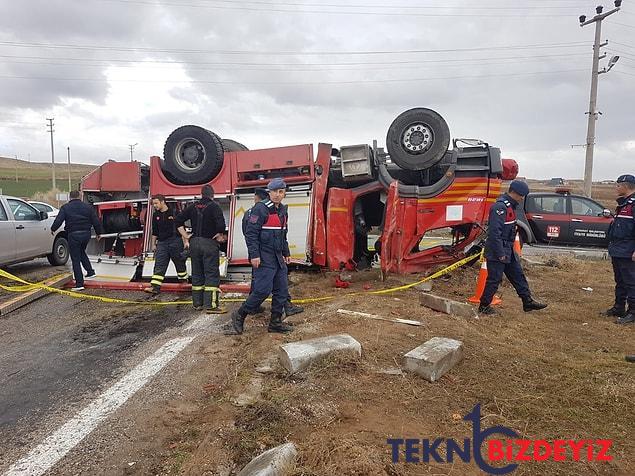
<point x="59" y="353"/>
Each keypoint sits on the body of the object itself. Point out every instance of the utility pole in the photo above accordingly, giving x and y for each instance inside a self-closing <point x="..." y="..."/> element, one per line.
<point x="592" y="112"/>
<point x="16" y="168"/>
<point x="50" y="125"/>
<point x="68" y="150"/>
<point x="132" y="146"/>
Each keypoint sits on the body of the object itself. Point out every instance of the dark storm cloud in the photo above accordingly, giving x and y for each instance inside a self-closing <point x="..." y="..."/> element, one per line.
<point x="486" y="93"/>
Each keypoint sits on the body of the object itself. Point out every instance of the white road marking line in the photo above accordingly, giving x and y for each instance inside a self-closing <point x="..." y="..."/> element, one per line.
<point x="57" y="445"/>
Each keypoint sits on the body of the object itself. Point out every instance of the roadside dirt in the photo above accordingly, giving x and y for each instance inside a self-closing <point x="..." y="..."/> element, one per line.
<point x="556" y="374"/>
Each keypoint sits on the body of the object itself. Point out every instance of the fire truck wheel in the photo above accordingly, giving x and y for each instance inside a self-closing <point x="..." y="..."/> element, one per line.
<point x="230" y="145"/>
<point x="60" y="252"/>
<point x="418" y="139"/>
<point x="193" y="155"/>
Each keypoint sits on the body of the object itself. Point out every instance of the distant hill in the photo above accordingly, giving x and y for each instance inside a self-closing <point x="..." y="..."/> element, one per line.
<point x="33" y="177"/>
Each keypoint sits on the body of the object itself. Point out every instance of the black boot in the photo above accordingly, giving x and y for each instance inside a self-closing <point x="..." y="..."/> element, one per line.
<point x="236" y="324"/>
<point x="154" y="290"/>
<point x="197" y="298"/>
<point x="276" y="324"/>
<point x="615" y="311"/>
<point x="291" y="309"/>
<point x="529" y="304"/>
<point x="627" y="319"/>
<point x="486" y="309"/>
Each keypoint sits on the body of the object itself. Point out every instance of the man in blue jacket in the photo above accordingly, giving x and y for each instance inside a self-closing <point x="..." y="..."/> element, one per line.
<point x="290" y="309"/>
<point x="266" y="237"/>
<point x="79" y="218"/>
<point x="622" y="251"/>
<point x="499" y="253"/>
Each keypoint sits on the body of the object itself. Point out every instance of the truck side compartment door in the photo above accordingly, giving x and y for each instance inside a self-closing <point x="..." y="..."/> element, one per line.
<point x="588" y="226"/>
<point x="7" y="236"/>
<point x="548" y="218"/>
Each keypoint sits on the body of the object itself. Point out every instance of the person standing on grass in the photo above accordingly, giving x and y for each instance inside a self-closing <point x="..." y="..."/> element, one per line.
<point x="79" y="218"/>
<point x="166" y="245"/>
<point x="622" y="251"/>
<point x="499" y="253"/>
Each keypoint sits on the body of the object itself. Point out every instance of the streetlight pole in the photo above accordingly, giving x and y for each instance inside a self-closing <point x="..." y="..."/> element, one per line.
<point x="132" y="146"/>
<point x="50" y="125"/>
<point x="68" y="150"/>
<point x="592" y="112"/>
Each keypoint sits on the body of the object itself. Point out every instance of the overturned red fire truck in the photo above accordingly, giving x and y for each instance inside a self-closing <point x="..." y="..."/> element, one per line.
<point x="405" y="208"/>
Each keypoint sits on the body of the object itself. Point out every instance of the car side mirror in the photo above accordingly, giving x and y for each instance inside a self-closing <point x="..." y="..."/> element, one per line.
<point x="606" y="213"/>
<point x="43" y="216"/>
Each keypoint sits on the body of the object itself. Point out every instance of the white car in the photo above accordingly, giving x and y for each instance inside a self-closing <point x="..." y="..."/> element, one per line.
<point x="45" y="207"/>
<point x="25" y="234"/>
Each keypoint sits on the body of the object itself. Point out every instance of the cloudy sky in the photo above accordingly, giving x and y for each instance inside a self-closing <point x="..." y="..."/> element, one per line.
<point x="280" y="72"/>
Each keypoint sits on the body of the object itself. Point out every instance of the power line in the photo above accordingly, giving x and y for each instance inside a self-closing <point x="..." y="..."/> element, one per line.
<point x="273" y="83"/>
<point x="620" y="24"/>
<point x="135" y="62"/>
<point x="290" y="53"/>
<point x="299" y="67"/>
<point x="329" y="12"/>
<point x="387" y="6"/>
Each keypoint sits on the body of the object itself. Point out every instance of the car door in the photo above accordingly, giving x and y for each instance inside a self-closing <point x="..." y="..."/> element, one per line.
<point x="547" y="216"/>
<point x="588" y="225"/>
<point x="32" y="234"/>
<point x="7" y="237"/>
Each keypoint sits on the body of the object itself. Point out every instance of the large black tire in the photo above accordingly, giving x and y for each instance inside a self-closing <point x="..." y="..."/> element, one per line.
<point x="230" y="145"/>
<point x="418" y="139"/>
<point x="193" y="155"/>
<point x="60" y="252"/>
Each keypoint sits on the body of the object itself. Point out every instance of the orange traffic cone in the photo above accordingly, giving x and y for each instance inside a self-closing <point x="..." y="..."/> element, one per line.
<point x="517" y="248"/>
<point x="480" y="286"/>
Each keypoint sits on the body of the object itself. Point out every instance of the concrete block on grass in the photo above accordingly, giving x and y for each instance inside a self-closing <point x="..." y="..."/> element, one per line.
<point x="434" y="358"/>
<point x="278" y="461"/>
<point x="297" y="356"/>
<point x="447" y="306"/>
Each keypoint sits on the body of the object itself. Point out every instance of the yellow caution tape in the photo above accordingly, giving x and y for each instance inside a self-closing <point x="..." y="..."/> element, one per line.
<point x="26" y="286"/>
<point x="438" y="274"/>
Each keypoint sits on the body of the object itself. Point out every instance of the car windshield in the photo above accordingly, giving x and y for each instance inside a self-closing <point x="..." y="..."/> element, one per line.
<point x="546" y="204"/>
<point x="583" y="206"/>
<point x="42" y="207"/>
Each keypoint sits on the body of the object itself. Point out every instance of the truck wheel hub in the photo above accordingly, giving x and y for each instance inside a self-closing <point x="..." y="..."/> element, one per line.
<point x="417" y="138"/>
<point x="190" y="154"/>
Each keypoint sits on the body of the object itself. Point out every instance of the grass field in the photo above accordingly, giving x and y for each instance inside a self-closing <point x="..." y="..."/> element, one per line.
<point x="35" y="177"/>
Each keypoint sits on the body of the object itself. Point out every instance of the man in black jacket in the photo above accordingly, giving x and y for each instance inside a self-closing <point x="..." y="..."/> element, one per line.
<point x="208" y="231"/>
<point x="166" y="245"/>
<point x="79" y="218"/>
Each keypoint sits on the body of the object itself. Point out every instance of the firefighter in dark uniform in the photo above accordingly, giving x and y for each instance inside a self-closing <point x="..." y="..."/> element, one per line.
<point x="266" y="236"/>
<point x="208" y="231"/>
<point x="290" y="309"/>
<point x="499" y="253"/>
<point x="166" y="245"/>
<point x="622" y="251"/>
